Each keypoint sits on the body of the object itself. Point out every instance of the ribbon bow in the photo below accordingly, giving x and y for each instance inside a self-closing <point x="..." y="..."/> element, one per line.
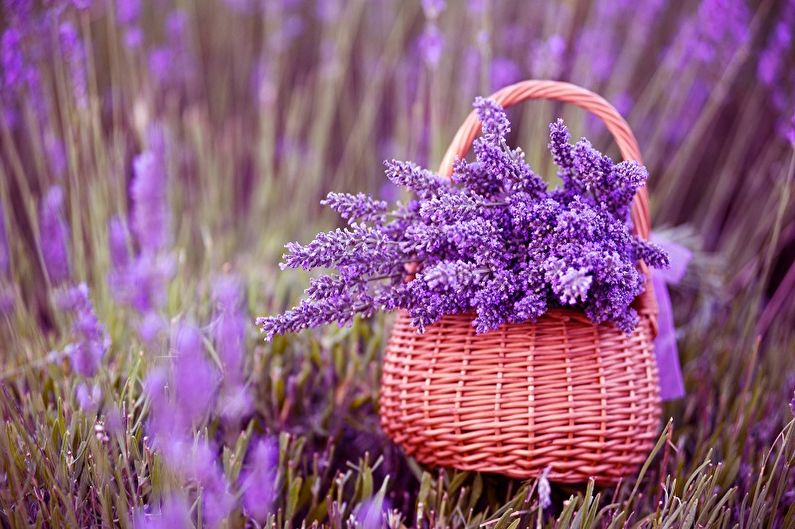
<point x="671" y="384"/>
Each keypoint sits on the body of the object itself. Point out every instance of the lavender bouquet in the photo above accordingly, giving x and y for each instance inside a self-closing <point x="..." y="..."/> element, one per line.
<point x="492" y="241"/>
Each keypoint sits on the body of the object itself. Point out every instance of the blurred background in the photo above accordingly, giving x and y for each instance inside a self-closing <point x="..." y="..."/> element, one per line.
<point x="153" y="149"/>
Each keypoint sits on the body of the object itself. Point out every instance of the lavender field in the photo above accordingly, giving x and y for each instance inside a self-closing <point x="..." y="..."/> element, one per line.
<point x="156" y="156"/>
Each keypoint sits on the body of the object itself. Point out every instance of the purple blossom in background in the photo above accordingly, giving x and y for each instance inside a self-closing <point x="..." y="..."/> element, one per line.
<point x="709" y="39"/>
<point x="476" y="7"/>
<point x="88" y="398"/>
<point x="117" y="244"/>
<point x="292" y="26"/>
<point x="504" y="71"/>
<point x="152" y="327"/>
<point x="74" y="55"/>
<point x="149" y="191"/>
<point x="491" y="241"/>
<point x="229" y="326"/>
<point x="5" y="254"/>
<point x="241" y="6"/>
<point x="173" y="514"/>
<point x="128" y="13"/>
<point x="229" y="333"/>
<point x="7" y="291"/>
<point x="56" y="154"/>
<point x="217" y="498"/>
<point x="371" y="513"/>
<point x="19" y="76"/>
<point x="181" y="397"/>
<point x="91" y="342"/>
<point x="258" y="480"/>
<point x="328" y="11"/>
<point x="54" y="236"/>
<point x="173" y="64"/>
<point x="431" y="45"/>
<point x="194" y="379"/>
<point x="546" y="59"/>
<point x="433" y="8"/>
<point x="142" y="284"/>
<point x="721" y="26"/>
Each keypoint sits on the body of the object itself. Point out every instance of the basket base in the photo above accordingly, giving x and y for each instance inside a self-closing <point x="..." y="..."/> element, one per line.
<point x="562" y="393"/>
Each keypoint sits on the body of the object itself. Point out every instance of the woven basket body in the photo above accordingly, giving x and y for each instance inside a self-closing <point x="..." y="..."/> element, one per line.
<point x="563" y="393"/>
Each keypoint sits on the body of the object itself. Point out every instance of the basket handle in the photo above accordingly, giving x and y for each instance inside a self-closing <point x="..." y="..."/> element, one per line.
<point x="568" y="93"/>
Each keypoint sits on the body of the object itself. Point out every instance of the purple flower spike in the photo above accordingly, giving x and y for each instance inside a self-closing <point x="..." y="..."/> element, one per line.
<point x="230" y="327"/>
<point x="353" y="208"/>
<point x="173" y="514"/>
<point x="117" y="242"/>
<point x="90" y="340"/>
<point x="544" y="490"/>
<point x="54" y="236"/>
<point x="433" y="8"/>
<point x="149" y="190"/>
<point x="88" y="398"/>
<point x="195" y="379"/>
<point x="5" y="254"/>
<point x="74" y="53"/>
<point x="431" y="45"/>
<point x="495" y="123"/>
<point x="257" y="482"/>
<point x="371" y="513"/>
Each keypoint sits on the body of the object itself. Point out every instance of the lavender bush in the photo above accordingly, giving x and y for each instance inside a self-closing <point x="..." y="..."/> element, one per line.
<point x="155" y="155"/>
<point x="493" y="241"/>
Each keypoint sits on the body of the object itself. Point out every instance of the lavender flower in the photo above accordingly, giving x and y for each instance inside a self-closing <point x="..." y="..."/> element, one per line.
<point x="18" y="74"/>
<point x="90" y="340"/>
<point x="257" y="482"/>
<point x="194" y="378"/>
<point x="229" y="331"/>
<point x="149" y="192"/>
<point x="152" y="327"/>
<point x="173" y="514"/>
<point x="433" y="8"/>
<point x="546" y="60"/>
<point x="431" y="45"/>
<point x="88" y="398"/>
<point x="493" y="242"/>
<point x="5" y="254"/>
<point x="74" y="54"/>
<point x="128" y="13"/>
<point x="495" y="124"/>
<point x="371" y="513"/>
<point x="54" y="237"/>
<point x="503" y="72"/>
<point x="118" y="245"/>
<point x="142" y="283"/>
<point x="544" y="490"/>
<point x="229" y="325"/>
<point x="353" y="208"/>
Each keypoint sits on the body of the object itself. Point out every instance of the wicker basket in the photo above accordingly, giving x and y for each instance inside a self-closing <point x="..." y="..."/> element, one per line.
<point x="580" y="398"/>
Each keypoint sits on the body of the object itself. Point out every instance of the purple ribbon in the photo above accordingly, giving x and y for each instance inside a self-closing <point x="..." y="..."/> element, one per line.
<point x="671" y="384"/>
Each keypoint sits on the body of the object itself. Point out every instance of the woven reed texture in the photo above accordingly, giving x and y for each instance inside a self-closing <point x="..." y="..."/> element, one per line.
<point x="580" y="398"/>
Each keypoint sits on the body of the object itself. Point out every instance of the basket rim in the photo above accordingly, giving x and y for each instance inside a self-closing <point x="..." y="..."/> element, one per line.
<point x="564" y="314"/>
